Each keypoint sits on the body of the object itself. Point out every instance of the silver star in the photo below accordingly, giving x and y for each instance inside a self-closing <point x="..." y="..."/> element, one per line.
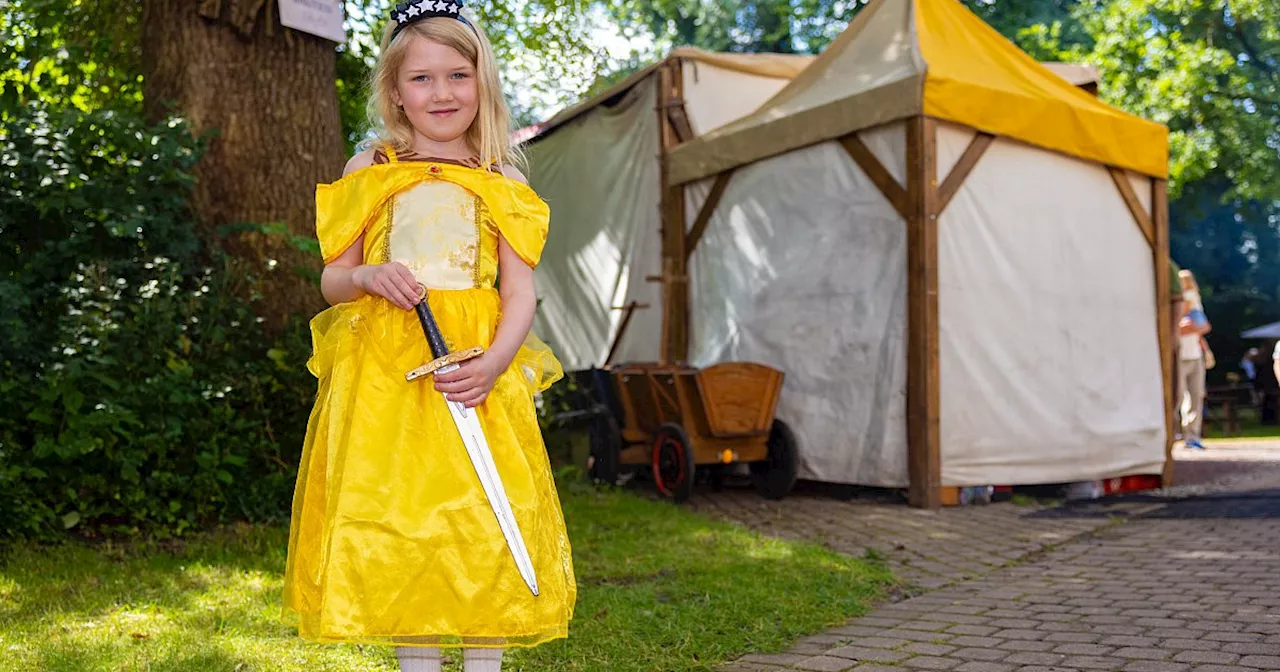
<point x="454" y="8"/>
<point x="413" y="10"/>
<point x="424" y="6"/>
<point x="441" y="5"/>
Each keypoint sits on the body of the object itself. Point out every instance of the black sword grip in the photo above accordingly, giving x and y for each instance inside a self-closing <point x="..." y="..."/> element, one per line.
<point x="434" y="338"/>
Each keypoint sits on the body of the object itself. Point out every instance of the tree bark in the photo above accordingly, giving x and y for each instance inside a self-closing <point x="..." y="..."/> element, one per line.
<point x="269" y="96"/>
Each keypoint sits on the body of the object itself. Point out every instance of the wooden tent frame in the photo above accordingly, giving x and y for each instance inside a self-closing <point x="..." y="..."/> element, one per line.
<point x="920" y="203"/>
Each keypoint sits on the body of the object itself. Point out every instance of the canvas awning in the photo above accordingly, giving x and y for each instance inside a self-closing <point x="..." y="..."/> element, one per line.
<point x="903" y="58"/>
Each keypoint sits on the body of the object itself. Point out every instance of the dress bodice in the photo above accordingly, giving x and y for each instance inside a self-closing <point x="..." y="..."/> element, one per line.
<point x="442" y="232"/>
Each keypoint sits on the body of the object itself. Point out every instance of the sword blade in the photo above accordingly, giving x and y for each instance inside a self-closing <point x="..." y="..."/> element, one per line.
<point x="473" y="438"/>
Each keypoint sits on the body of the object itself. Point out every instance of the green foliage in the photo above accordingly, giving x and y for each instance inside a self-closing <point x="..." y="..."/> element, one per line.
<point x="140" y="392"/>
<point x="1211" y="72"/>
<point x="84" y="54"/>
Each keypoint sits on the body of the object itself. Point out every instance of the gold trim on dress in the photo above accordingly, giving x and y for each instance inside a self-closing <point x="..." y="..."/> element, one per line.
<point x="386" y="238"/>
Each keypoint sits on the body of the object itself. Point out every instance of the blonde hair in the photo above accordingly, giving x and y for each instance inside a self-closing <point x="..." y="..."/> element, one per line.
<point x="1187" y="277"/>
<point x="490" y="132"/>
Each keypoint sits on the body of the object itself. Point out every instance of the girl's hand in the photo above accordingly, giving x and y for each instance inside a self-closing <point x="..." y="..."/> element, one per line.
<point x="471" y="383"/>
<point x="392" y="281"/>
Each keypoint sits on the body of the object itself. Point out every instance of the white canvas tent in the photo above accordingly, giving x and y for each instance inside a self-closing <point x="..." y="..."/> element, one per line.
<point x="958" y="258"/>
<point x="597" y="164"/>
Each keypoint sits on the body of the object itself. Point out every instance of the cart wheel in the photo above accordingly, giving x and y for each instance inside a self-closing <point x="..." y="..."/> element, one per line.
<point x="774" y="475"/>
<point x="606" y="441"/>
<point x="672" y="463"/>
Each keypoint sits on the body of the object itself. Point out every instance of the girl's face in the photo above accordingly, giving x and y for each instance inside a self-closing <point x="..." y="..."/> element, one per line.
<point x="1186" y="283"/>
<point x="437" y="88"/>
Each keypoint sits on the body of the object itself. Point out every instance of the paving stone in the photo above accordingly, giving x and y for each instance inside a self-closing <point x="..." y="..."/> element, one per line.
<point x="1143" y="653"/>
<point x="825" y="664"/>
<point x="774" y="658"/>
<point x="970" y="640"/>
<point x="868" y="655"/>
<point x="1208" y="657"/>
<point x="1189" y="645"/>
<point x="1094" y="662"/>
<point x="1155" y="666"/>
<point x="1083" y="649"/>
<point x="1237" y="637"/>
<point x="1015" y="633"/>
<point x="925" y="649"/>
<point x="1253" y="649"/>
<point x="1031" y="658"/>
<point x="1263" y="662"/>
<point x="880" y="642"/>
<point x="1130" y="640"/>
<point x="1074" y="637"/>
<point x="974" y="630"/>
<point x="1027" y="645"/>
<point x="920" y="635"/>
<point x="931" y="663"/>
<point x="982" y="654"/>
<point x="981" y="666"/>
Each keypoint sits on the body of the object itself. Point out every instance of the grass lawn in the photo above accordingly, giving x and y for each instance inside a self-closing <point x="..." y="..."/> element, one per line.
<point x="659" y="589"/>
<point x="1250" y="429"/>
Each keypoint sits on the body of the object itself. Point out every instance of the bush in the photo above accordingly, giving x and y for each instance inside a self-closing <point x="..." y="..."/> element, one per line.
<point x="139" y="391"/>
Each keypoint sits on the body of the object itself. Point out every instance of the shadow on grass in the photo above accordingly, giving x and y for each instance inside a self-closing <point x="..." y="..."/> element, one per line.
<point x="660" y="588"/>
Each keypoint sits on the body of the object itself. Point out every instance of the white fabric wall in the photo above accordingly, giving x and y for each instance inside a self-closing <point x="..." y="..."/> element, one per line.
<point x="803" y="267"/>
<point x="1050" y="362"/>
<point x="715" y="96"/>
<point x="599" y="174"/>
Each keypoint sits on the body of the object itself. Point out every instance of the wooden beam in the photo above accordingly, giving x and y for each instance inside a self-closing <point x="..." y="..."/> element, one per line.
<point x="879" y="175"/>
<point x="679" y="119"/>
<point x="924" y="440"/>
<point x="955" y="179"/>
<point x="674" y="346"/>
<point x="1164" y="315"/>
<point x="630" y="309"/>
<point x="1121" y="178"/>
<point x="704" y="213"/>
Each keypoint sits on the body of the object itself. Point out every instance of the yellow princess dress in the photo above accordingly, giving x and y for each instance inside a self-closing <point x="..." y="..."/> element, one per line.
<point x="392" y="540"/>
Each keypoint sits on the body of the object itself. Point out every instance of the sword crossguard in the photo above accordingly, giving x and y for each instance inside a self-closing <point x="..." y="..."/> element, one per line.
<point x="441" y="362"/>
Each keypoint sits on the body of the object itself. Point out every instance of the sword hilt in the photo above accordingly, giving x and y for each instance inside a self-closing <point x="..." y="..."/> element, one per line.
<point x="429" y="327"/>
<point x="440" y="354"/>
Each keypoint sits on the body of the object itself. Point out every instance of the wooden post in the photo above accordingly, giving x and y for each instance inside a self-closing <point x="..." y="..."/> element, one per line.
<point x="924" y="459"/>
<point x="675" y="304"/>
<point x="1164" y="316"/>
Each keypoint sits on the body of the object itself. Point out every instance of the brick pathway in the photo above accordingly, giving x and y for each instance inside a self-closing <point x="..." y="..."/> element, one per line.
<point x="926" y="549"/>
<point x="1189" y="585"/>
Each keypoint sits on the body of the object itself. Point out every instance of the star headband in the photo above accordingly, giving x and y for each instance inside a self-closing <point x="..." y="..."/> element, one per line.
<point x="406" y="13"/>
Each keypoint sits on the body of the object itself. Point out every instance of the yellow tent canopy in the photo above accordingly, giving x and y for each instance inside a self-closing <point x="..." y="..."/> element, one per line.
<point x="902" y="58"/>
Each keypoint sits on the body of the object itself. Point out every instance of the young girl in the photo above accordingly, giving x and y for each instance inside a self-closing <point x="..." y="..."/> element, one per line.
<point x="393" y="540"/>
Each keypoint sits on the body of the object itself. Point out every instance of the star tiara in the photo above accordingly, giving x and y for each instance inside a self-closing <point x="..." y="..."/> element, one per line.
<point x="406" y="13"/>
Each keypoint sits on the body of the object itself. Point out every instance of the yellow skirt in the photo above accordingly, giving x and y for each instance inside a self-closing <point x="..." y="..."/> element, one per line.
<point x="392" y="540"/>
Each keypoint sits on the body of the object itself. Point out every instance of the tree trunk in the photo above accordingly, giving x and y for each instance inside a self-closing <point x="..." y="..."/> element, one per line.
<point x="269" y="96"/>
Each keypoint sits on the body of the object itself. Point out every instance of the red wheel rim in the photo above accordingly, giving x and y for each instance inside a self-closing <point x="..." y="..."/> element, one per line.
<point x="668" y="464"/>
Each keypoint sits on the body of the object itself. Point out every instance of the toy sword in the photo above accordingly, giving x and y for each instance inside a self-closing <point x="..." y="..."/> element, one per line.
<point x="473" y="438"/>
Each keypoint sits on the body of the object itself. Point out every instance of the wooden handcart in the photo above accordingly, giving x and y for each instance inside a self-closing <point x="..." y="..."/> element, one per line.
<point x="673" y="422"/>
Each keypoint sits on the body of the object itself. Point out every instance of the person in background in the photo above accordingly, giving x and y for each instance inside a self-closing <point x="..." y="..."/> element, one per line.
<point x="1249" y="363"/>
<point x="1191" y="360"/>
<point x="1250" y="368"/>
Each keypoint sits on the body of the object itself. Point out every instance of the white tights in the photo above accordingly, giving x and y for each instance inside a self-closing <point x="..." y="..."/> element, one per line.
<point x="424" y="659"/>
